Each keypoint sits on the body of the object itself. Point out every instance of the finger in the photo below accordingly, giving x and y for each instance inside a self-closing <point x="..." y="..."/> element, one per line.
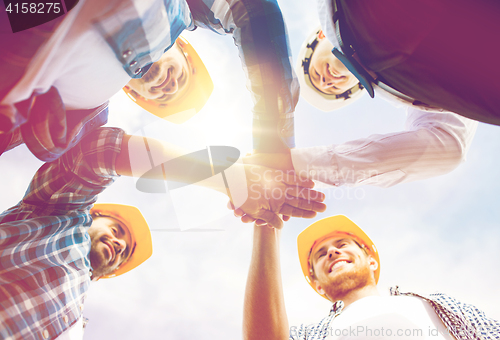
<point x="289" y="210"/>
<point x="260" y="223"/>
<point x="247" y="219"/>
<point x="285" y="218"/>
<point x="230" y="205"/>
<point x="291" y="178"/>
<point x="305" y="193"/>
<point x="238" y="212"/>
<point x="305" y="204"/>
<point x="271" y="218"/>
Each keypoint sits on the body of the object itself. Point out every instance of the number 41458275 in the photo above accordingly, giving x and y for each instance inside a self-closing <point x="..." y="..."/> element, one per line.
<point x="31" y="7"/>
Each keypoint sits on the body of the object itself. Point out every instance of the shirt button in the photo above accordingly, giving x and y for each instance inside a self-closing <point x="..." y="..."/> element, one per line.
<point x="45" y="334"/>
<point x="65" y="319"/>
<point x="138" y="71"/>
<point x="126" y="53"/>
<point x="133" y="63"/>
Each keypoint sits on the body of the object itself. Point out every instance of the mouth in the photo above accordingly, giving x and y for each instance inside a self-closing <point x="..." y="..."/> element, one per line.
<point x="111" y="251"/>
<point x="337" y="264"/>
<point x="164" y="83"/>
<point x="333" y="73"/>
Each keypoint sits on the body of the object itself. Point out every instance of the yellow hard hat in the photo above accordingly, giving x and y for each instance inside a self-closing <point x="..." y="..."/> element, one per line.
<point x="183" y="107"/>
<point x="329" y="227"/>
<point x="132" y="218"/>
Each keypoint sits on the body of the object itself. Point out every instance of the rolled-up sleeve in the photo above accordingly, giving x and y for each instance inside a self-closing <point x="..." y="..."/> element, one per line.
<point x="74" y="180"/>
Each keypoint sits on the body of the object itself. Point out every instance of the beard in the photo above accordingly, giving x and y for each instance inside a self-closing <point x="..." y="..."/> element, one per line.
<point x="98" y="260"/>
<point x="347" y="281"/>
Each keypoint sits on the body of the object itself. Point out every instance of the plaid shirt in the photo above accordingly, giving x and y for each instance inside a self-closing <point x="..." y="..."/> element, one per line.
<point x="484" y="328"/>
<point x="44" y="244"/>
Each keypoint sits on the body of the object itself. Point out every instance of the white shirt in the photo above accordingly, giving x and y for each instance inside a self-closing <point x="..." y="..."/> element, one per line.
<point x="390" y="317"/>
<point x="434" y="143"/>
<point x="75" y="332"/>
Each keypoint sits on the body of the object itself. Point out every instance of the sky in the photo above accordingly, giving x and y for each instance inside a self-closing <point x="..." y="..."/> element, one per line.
<point x="437" y="235"/>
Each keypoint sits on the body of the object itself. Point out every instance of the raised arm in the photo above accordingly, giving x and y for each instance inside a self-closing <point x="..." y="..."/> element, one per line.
<point x="260" y="34"/>
<point x="264" y="313"/>
<point x="433" y="144"/>
<point x="260" y="192"/>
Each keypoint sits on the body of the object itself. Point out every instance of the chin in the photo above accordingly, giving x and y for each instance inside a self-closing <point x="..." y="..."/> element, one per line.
<point x="345" y="282"/>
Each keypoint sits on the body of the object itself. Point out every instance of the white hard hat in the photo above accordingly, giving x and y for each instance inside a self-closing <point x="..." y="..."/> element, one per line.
<point x="318" y="99"/>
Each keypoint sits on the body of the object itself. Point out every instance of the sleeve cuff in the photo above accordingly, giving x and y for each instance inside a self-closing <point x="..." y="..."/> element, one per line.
<point x="316" y="163"/>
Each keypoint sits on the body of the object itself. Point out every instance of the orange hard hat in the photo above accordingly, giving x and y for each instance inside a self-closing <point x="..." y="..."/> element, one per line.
<point x="191" y="101"/>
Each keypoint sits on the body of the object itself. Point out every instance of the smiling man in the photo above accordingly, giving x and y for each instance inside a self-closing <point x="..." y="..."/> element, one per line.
<point x="55" y="241"/>
<point x="341" y="263"/>
<point x="416" y="49"/>
<point x="326" y="73"/>
<point x="51" y="108"/>
<point x="176" y="87"/>
<point x="166" y="78"/>
<point x="434" y="141"/>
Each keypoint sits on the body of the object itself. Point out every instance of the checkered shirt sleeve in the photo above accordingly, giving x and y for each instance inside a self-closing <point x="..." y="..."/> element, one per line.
<point x="259" y="32"/>
<point x="44" y="244"/>
<point x="487" y="328"/>
<point x="317" y="331"/>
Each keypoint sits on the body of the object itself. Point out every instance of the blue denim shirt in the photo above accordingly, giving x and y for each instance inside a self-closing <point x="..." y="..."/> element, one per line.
<point x="139" y="36"/>
<point x="259" y="33"/>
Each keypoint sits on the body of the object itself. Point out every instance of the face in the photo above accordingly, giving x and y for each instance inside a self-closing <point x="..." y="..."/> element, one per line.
<point x="327" y="73"/>
<point x="111" y="245"/>
<point x="166" y="79"/>
<point x="341" y="266"/>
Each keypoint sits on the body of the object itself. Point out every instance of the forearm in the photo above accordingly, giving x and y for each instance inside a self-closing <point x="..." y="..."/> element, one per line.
<point x="149" y="158"/>
<point x="435" y="144"/>
<point x="260" y="34"/>
<point x="272" y="81"/>
<point x="264" y="314"/>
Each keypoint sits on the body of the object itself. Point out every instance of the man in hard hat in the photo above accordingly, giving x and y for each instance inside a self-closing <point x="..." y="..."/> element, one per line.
<point x="55" y="241"/>
<point x="78" y="61"/>
<point x="422" y="50"/>
<point x="433" y="143"/>
<point x="342" y="264"/>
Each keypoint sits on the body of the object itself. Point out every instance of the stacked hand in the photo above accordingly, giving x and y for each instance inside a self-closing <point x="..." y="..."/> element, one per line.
<point x="276" y="192"/>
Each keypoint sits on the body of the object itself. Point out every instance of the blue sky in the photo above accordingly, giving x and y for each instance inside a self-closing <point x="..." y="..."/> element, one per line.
<point x="437" y="235"/>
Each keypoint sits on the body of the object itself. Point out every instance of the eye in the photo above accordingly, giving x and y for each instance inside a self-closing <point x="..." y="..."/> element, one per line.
<point x="114" y="230"/>
<point x="342" y="245"/>
<point x="321" y="255"/>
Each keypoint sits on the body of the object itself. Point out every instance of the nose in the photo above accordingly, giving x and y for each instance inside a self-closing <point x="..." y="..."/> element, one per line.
<point x="120" y="245"/>
<point x="171" y="87"/>
<point x="325" y="82"/>
<point x="333" y="251"/>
